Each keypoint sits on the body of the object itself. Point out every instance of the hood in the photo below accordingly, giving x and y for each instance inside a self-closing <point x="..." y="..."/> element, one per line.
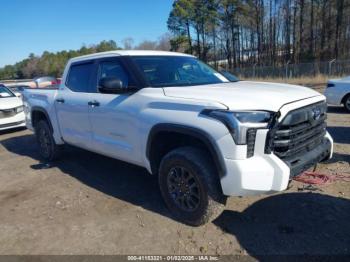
<point x="342" y="80"/>
<point x="245" y="95"/>
<point x="10" y="102"/>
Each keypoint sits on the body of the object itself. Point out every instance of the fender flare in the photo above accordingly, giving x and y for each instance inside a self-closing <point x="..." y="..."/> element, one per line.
<point x="42" y="110"/>
<point x="200" y="134"/>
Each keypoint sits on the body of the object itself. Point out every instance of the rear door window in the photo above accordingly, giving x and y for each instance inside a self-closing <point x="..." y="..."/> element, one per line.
<point x="79" y="77"/>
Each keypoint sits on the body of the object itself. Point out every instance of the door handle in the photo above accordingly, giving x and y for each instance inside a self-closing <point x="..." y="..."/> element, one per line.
<point x="94" y="103"/>
<point x="60" y="100"/>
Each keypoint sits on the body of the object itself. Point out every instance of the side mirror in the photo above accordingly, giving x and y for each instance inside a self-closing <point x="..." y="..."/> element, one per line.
<point x="110" y="85"/>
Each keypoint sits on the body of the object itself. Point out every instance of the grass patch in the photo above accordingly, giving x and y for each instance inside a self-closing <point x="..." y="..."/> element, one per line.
<point x="314" y="81"/>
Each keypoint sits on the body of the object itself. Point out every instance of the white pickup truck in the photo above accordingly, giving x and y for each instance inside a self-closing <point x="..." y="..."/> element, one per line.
<point x="205" y="137"/>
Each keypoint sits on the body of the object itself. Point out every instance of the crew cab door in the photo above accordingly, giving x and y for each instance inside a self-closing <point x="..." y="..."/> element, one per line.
<point x="72" y="105"/>
<point x="114" y="116"/>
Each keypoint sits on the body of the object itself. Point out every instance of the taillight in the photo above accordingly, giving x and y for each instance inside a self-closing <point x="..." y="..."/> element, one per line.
<point x="330" y="85"/>
<point x="56" y="82"/>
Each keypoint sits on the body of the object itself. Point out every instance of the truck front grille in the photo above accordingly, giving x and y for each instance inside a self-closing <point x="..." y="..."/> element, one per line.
<point x="301" y="131"/>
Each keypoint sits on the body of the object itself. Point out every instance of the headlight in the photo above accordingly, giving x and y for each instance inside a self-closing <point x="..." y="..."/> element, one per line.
<point x="240" y="122"/>
<point x="253" y="116"/>
<point x="19" y="109"/>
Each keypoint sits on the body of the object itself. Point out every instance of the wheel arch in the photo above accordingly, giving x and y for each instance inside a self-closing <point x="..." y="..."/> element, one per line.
<point x="38" y="113"/>
<point x="345" y="97"/>
<point x="193" y="135"/>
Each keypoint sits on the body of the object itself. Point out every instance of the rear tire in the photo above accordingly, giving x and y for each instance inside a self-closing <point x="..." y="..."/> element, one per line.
<point x="347" y="103"/>
<point x="48" y="149"/>
<point x="190" y="186"/>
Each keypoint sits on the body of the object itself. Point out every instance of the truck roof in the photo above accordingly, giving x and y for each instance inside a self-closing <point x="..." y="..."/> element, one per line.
<point x="127" y="53"/>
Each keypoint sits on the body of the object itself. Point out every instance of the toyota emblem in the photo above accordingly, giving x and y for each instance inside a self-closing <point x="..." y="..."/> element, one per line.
<point x="316" y="113"/>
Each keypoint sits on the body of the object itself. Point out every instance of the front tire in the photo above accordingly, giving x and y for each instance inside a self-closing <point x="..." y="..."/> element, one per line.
<point x="190" y="186"/>
<point x="347" y="103"/>
<point x="48" y="149"/>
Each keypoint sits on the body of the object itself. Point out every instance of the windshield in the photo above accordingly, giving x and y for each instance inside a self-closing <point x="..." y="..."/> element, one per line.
<point x="165" y="71"/>
<point x="5" y="92"/>
<point x="229" y="76"/>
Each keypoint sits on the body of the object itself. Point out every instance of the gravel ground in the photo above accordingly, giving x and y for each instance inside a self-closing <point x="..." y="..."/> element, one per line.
<point x="89" y="204"/>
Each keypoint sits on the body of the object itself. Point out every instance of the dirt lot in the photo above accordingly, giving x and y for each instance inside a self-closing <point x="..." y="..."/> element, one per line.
<point x="90" y="204"/>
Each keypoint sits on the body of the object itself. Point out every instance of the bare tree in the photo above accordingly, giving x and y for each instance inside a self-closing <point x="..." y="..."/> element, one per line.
<point x="128" y="43"/>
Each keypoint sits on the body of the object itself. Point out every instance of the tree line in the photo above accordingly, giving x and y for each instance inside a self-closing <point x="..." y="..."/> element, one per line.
<point x="50" y="63"/>
<point x="53" y="63"/>
<point x="261" y="32"/>
<point x="242" y="32"/>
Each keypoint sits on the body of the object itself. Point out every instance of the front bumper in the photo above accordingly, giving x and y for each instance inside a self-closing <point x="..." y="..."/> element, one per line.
<point x="267" y="173"/>
<point x="320" y="153"/>
<point x="13" y="122"/>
